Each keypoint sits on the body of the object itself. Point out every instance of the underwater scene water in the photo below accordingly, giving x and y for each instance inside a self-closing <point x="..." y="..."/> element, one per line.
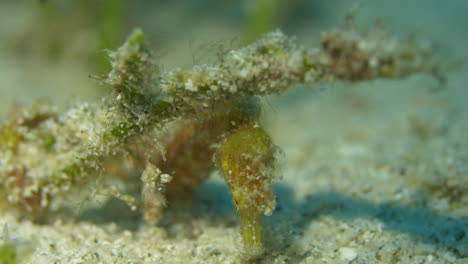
<point x="233" y="131"/>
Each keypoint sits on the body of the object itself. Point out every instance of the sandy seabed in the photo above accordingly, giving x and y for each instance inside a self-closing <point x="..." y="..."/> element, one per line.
<point x="374" y="172"/>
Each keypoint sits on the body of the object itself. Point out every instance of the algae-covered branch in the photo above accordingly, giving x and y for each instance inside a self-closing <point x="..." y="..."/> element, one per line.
<point x="191" y="117"/>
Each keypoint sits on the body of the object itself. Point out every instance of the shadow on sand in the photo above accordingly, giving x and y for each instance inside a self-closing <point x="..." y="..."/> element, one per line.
<point x="212" y="203"/>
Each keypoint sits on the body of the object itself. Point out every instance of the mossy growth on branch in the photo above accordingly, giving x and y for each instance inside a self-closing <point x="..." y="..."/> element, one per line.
<point x="8" y="254"/>
<point x="169" y="126"/>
